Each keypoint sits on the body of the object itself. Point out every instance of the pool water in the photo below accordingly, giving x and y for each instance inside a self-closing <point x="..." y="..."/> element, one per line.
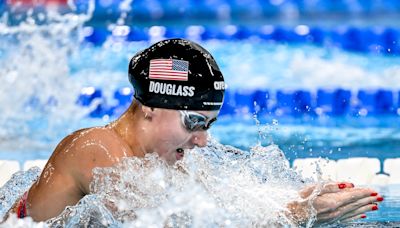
<point x="41" y="106"/>
<point x="215" y="174"/>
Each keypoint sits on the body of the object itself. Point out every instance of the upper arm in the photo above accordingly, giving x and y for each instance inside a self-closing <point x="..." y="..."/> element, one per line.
<point x="98" y="148"/>
<point x="66" y="177"/>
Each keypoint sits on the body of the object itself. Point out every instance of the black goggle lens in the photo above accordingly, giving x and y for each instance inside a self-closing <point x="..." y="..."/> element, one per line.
<point x="196" y="121"/>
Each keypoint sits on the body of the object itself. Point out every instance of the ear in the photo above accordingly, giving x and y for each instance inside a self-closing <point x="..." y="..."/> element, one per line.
<point x="148" y="112"/>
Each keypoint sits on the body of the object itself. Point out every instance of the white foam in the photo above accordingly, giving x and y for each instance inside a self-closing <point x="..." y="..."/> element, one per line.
<point x="36" y="78"/>
<point x="7" y="168"/>
<point x="309" y="167"/>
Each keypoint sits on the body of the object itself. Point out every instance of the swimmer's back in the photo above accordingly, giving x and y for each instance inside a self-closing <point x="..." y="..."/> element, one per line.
<point x="68" y="173"/>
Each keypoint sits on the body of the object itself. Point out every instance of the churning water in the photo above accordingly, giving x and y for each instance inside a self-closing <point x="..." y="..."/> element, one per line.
<point x="213" y="186"/>
<point x="43" y="67"/>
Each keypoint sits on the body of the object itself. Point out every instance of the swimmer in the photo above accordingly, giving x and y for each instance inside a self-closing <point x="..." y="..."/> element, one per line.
<point x="179" y="91"/>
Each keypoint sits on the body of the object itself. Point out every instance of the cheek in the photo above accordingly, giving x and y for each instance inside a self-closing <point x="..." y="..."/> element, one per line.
<point x="175" y="137"/>
<point x="171" y="132"/>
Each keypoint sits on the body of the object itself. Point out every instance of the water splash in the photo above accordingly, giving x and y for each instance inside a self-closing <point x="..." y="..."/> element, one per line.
<point x="89" y="212"/>
<point x="35" y="80"/>
<point x="19" y="183"/>
<point x="213" y="186"/>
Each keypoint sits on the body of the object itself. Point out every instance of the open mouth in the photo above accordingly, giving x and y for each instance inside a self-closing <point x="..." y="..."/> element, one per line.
<point x="180" y="152"/>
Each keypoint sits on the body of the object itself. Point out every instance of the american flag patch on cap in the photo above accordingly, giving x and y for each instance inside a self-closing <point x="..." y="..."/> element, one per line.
<point x="169" y="69"/>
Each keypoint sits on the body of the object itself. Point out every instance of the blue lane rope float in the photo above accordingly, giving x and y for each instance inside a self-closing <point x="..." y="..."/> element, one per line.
<point x="294" y="103"/>
<point x="378" y="40"/>
<point x="243" y="10"/>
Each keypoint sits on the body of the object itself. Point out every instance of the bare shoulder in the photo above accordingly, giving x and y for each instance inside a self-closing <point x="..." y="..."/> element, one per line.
<point x="102" y="142"/>
<point x="86" y="149"/>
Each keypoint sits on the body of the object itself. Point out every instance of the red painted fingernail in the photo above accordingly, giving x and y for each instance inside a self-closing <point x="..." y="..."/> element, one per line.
<point x="379" y="198"/>
<point x="363" y="216"/>
<point x="374" y="194"/>
<point x="374" y="208"/>
<point x="341" y="186"/>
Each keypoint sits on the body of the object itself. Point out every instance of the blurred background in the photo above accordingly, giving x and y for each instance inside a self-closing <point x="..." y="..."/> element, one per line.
<point x="369" y="26"/>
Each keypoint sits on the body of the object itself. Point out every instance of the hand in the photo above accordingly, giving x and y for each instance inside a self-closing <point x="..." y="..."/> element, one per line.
<point x="336" y="201"/>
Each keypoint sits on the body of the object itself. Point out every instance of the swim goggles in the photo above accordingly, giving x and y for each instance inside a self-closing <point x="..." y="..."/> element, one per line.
<point x="194" y="121"/>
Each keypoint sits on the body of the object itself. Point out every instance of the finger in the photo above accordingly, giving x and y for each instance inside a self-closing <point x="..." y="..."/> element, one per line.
<point x="356" y="217"/>
<point x="330" y="202"/>
<point x="361" y="210"/>
<point x="357" y="204"/>
<point x="338" y="215"/>
<point x="351" y="195"/>
<point x="335" y="187"/>
<point x="331" y="187"/>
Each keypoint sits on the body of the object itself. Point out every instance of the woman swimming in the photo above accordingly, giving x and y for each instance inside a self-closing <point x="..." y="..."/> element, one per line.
<point x="179" y="91"/>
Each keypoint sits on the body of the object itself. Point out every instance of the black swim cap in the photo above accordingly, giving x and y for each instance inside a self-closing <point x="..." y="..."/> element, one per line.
<point x="177" y="74"/>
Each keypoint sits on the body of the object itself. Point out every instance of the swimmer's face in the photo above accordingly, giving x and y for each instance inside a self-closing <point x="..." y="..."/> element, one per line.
<point x="172" y="135"/>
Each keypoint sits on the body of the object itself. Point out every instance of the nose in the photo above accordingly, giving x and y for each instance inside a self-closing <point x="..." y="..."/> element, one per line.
<point x="199" y="138"/>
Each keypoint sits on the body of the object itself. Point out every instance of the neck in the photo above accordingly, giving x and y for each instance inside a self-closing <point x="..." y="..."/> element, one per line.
<point x="130" y="126"/>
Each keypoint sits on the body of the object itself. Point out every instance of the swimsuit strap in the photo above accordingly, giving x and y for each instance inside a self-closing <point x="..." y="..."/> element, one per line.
<point x="21" y="212"/>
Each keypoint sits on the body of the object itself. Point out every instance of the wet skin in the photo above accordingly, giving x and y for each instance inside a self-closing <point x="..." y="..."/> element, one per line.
<point x="141" y="130"/>
<point x="337" y="202"/>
